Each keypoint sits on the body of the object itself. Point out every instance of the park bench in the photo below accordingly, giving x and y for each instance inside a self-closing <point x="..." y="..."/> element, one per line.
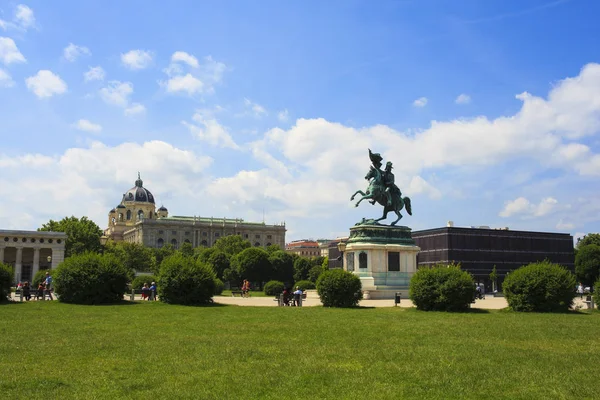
<point x="151" y="294"/>
<point x="589" y="302"/>
<point x="280" y="302"/>
<point x="19" y="294"/>
<point x="236" y="292"/>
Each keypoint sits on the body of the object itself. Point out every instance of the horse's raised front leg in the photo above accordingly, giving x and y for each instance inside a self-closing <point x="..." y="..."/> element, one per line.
<point x="357" y="192"/>
<point x="365" y="197"/>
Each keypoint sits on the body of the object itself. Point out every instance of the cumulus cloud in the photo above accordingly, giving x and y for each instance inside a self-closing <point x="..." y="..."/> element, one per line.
<point x="87" y="126"/>
<point x="9" y="53"/>
<point x="135" y="108"/>
<point x="94" y="74"/>
<point x="24" y="16"/>
<point x="420" y="102"/>
<point x="72" y="52"/>
<point x="463" y="99"/>
<point x="253" y="109"/>
<point x="186" y="74"/>
<point x="137" y="59"/>
<point x="5" y="79"/>
<point x="522" y="206"/>
<point x="45" y="84"/>
<point x="208" y="129"/>
<point x="117" y="93"/>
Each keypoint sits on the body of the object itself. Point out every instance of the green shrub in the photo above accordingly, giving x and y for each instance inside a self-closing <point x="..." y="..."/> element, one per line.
<point x="6" y="280"/>
<point x="273" y="288"/>
<point x="338" y="288"/>
<point x="306" y="285"/>
<point x="185" y="280"/>
<point x="597" y="294"/>
<point x="39" y="277"/>
<point x="442" y="288"/>
<point x="541" y="287"/>
<point x="91" y="278"/>
<point x="138" y="281"/>
<point x="219" y="286"/>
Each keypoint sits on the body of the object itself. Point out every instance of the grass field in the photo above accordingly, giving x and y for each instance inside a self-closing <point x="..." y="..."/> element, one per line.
<point x="252" y="293"/>
<point x="156" y="351"/>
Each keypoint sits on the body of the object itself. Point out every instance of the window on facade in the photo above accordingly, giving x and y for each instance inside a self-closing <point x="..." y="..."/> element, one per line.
<point x="32" y="240"/>
<point x="268" y="244"/>
<point x="173" y="232"/>
<point x="246" y="236"/>
<point x="257" y="236"/>
<point x="269" y="237"/>
<point x="49" y="240"/>
<point x="160" y="232"/>
<point x="140" y="214"/>
<point x="41" y="240"/>
<point x="174" y="243"/>
<point x="393" y="261"/>
<point x="256" y="244"/>
<point x="187" y="241"/>
<point x="204" y="243"/>
<point x="217" y="234"/>
<point x="150" y="214"/>
<point x="160" y="243"/>
<point x="187" y="234"/>
<point x="204" y="234"/>
<point x="59" y="241"/>
<point x="6" y="239"/>
<point x="128" y="215"/>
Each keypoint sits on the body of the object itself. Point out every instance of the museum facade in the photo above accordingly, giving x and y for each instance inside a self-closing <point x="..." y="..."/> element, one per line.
<point x="136" y="220"/>
<point x="30" y="251"/>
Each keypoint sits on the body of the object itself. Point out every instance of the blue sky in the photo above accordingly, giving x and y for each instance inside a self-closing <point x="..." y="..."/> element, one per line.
<point x="490" y="110"/>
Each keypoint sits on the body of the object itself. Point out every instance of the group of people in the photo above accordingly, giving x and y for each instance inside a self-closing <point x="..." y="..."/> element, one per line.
<point x="245" y="288"/>
<point x="149" y="292"/>
<point x="296" y="299"/>
<point x="44" y="287"/>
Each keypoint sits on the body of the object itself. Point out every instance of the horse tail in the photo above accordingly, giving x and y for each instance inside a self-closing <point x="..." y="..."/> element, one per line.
<point x="407" y="205"/>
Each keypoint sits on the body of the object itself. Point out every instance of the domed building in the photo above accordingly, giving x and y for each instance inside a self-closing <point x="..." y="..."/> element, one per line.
<point x="136" y="220"/>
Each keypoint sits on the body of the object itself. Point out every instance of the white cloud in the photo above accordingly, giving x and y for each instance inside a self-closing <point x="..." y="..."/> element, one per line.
<point x="46" y="84"/>
<point x="89" y="181"/>
<point x="522" y="206"/>
<point x="565" y="226"/>
<point x="185" y="83"/>
<point x="210" y="130"/>
<point x="182" y="56"/>
<point x="5" y="79"/>
<point x="463" y="99"/>
<point x="137" y="59"/>
<point x="187" y="75"/>
<point x="117" y="93"/>
<point x="254" y="109"/>
<point x="72" y="52"/>
<point x="283" y="115"/>
<point x="24" y="16"/>
<point x="420" y="102"/>
<point x="87" y="126"/>
<point x="9" y="53"/>
<point x="94" y="74"/>
<point x="135" y="108"/>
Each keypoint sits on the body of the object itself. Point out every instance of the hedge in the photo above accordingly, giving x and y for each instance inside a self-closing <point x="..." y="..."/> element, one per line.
<point x="442" y="288"/>
<point x="185" y="280"/>
<point x="338" y="288"/>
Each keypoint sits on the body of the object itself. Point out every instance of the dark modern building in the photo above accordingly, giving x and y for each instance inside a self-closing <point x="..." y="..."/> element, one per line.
<point x="479" y="249"/>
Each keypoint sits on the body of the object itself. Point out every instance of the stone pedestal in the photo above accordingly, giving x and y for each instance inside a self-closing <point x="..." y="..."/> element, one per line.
<point x="383" y="257"/>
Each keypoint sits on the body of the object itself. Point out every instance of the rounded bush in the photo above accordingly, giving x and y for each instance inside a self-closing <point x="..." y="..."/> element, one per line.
<point x="219" y="286"/>
<point x="541" y="287"/>
<point x="442" y="288"/>
<point x="306" y="285"/>
<point x="6" y="280"/>
<point x="185" y="280"/>
<point x="274" y="288"/>
<point x="338" y="288"/>
<point x="138" y="281"/>
<point x="91" y="278"/>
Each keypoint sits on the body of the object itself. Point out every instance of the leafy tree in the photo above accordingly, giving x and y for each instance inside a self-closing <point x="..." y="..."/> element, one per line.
<point x="317" y="260"/>
<point x="6" y="280"/>
<point x="315" y="272"/>
<point x="302" y="266"/>
<point x="204" y="253"/>
<point x="587" y="264"/>
<point x="494" y="278"/>
<point x="283" y="266"/>
<point x="253" y="264"/>
<point x="187" y="249"/>
<point x="162" y="253"/>
<point x="83" y="234"/>
<point x="590" y="238"/>
<point x="232" y="245"/>
<point x="273" y="248"/>
<point x="232" y="276"/>
<point x="219" y="262"/>
<point x="134" y="256"/>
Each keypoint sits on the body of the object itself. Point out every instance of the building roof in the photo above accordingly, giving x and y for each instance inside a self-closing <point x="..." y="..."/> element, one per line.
<point x="138" y="193"/>
<point x="302" y="243"/>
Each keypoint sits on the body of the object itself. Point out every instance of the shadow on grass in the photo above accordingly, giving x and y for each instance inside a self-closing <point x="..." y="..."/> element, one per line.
<point x="567" y="312"/>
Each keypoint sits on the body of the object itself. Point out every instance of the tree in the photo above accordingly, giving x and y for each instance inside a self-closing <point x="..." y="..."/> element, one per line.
<point x="317" y="260"/>
<point x="283" y="266"/>
<point x="232" y="245"/>
<point x="160" y="254"/>
<point x="83" y="234"/>
<point x="302" y="266"/>
<point x="187" y="249"/>
<point x="494" y="278"/>
<point x="219" y="262"/>
<point x="590" y="238"/>
<point x="133" y="256"/>
<point x="587" y="264"/>
<point x="253" y="264"/>
<point x="273" y="248"/>
<point x="204" y="253"/>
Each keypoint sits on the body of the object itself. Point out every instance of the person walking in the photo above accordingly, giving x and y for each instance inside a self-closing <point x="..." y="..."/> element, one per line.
<point x="49" y="285"/>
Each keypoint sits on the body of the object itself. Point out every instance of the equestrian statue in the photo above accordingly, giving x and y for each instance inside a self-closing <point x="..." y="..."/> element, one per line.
<point x="383" y="190"/>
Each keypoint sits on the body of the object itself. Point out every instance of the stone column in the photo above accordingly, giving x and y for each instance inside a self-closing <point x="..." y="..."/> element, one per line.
<point x="18" y="265"/>
<point x="36" y="262"/>
<point x="1" y="254"/>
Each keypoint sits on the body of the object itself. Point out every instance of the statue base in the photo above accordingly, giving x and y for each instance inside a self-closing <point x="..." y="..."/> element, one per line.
<point x="383" y="257"/>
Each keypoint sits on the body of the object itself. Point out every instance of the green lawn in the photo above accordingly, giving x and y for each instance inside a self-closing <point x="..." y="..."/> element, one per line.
<point x="252" y="293"/>
<point x="151" y="350"/>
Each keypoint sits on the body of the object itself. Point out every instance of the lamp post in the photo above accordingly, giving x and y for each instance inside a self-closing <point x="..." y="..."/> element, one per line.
<point x="49" y="259"/>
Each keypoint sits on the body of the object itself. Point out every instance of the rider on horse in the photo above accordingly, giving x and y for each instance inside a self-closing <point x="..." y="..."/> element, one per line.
<point x="390" y="186"/>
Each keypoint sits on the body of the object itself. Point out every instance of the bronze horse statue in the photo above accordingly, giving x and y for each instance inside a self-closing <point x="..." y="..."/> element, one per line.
<point x="376" y="193"/>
